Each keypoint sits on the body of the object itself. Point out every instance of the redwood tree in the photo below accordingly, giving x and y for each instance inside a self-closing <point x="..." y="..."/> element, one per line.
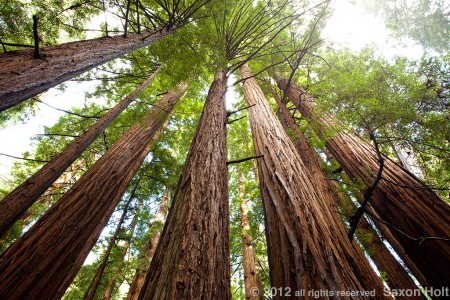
<point x="416" y="217"/>
<point x="158" y="220"/>
<point x="192" y="257"/>
<point x="44" y="261"/>
<point x="21" y="198"/>
<point x="117" y="277"/>
<point x="397" y="277"/>
<point x="251" y="273"/>
<point x="308" y="249"/>
<point x="22" y="76"/>
<point x="93" y="286"/>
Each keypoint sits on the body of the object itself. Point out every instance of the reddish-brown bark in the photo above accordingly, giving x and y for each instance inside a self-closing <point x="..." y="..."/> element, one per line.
<point x="19" y="200"/>
<point x="158" y="220"/>
<point x="251" y="272"/>
<point x="67" y="179"/>
<point x="22" y="76"/>
<point x="44" y="261"/>
<point x="417" y="218"/>
<point x="192" y="258"/>
<point x="93" y="286"/>
<point x="397" y="277"/>
<point x="307" y="248"/>
<point x="118" y="275"/>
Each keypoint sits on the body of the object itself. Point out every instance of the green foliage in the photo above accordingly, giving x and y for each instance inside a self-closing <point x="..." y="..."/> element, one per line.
<point x="423" y="21"/>
<point x="365" y="238"/>
<point x="384" y="276"/>
<point x="57" y="20"/>
<point x="18" y="114"/>
<point x="239" y="134"/>
<point x="404" y="103"/>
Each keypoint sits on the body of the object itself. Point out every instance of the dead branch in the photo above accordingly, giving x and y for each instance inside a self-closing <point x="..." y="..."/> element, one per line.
<point x="37" y="53"/>
<point x="230" y="162"/>
<point x="58" y="134"/>
<point x="353" y="220"/>
<point x="419" y="239"/>
<point x="137" y="18"/>
<point x="127" y="12"/>
<point x="241" y="109"/>
<point x="74" y="114"/>
<point x="427" y="187"/>
<point x="23" y="158"/>
<point x="235" y="120"/>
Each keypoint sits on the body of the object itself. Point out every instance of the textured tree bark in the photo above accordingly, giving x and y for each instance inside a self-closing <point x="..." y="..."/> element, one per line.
<point x="92" y="289"/>
<point x="19" y="200"/>
<point x="252" y="280"/>
<point x="192" y="257"/>
<point x="398" y="278"/>
<point x="69" y="177"/>
<point x="308" y="250"/>
<point x="413" y="211"/>
<point x="22" y="76"/>
<point x="44" y="261"/>
<point x="111" y="286"/>
<point x="139" y="276"/>
<point x="407" y="159"/>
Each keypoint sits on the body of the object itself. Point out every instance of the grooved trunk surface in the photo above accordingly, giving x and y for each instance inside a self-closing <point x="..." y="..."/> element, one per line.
<point x="399" y="199"/>
<point x="22" y="76"/>
<point x="396" y="275"/>
<point x="308" y="249"/>
<point x="251" y="273"/>
<point x="44" y="261"/>
<point x="95" y="283"/>
<point x="192" y="257"/>
<point x="139" y="276"/>
<point x="118" y="277"/>
<point x="398" y="278"/>
<point x="19" y="200"/>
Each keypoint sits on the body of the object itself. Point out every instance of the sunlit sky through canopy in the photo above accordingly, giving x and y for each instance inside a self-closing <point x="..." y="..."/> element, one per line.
<point x="349" y="26"/>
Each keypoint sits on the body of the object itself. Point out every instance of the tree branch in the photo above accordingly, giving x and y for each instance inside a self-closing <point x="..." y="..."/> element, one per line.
<point x="241" y="109"/>
<point x="427" y="187"/>
<point x="353" y="220"/>
<point x="232" y="121"/>
<point x="243" y="159"/>
<point x="23" y="158"/>
<point x="126" y="18"/>
<point x="16" y="45"/>
<point x="420" y="239"/>
<point x="37" y="53"/>
<point x="72" y="113"/>
<point x="58" y="134"/>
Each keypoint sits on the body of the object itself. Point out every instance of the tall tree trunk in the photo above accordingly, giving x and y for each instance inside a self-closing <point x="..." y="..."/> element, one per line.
<point x="22" y="76"/>
<point x="407" y="159"/>
<point x="158" y="220"/>
<point x="44" y="261"/>
<point x="67" y="179"/>
<point x="397" y="277"/>
<point x="19" y="200"/>
<point x="418" y="219"/>
<point x="123" y="252"/>
<point x="251" y="273"/>
<point x="192" y="257"/>
<point x="92" y="289"/>
<point x="308" y="249"/>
